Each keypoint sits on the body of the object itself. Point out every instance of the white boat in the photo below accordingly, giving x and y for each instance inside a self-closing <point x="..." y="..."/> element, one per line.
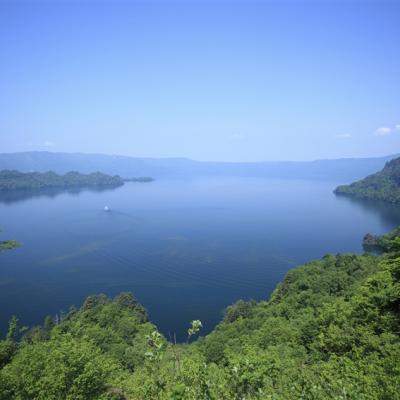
<point x="106" y="208"/>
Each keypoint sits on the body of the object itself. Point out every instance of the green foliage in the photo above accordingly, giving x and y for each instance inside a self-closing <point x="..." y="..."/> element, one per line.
<point x="62" y="368"/>
<point x="241" y="309"/>
<point x="195" y="327"/>
<point x="12" y="328"/>
<point x="384" y="185"/>
<point x="10" y="180"/>
<point x="331" y="330"/>
<point x="156" y="344"/>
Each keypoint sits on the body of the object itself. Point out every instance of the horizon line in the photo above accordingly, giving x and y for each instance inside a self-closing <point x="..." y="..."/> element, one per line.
<point x="394" y="155"/>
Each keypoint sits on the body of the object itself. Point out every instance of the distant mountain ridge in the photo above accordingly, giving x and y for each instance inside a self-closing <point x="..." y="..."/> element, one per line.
<point x="383" y="185"/>
<point x="345" y="169"/>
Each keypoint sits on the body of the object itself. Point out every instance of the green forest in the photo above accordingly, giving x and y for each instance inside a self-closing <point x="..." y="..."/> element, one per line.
<point x="330" y="330"/>
<point x="10" y="180"/>
<point x="383" y="185"/>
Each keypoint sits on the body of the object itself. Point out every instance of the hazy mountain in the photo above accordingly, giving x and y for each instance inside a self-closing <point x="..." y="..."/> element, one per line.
<point x="344" y="170"/>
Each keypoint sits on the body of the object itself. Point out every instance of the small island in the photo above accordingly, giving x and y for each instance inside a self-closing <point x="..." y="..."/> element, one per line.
<point x="14" y="180"/>
<point x="383" y="185"/>
<point x="8" y="245"/>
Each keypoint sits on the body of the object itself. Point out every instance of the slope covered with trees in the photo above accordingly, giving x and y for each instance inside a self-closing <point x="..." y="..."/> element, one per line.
<point x="10" y="179"/>
<point x="330" y="330"/>
<point x="384" y="185"/>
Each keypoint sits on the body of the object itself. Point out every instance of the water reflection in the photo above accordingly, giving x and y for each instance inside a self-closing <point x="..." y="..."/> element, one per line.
<point x="387" y="212"/>
<point x="15" y="196"/>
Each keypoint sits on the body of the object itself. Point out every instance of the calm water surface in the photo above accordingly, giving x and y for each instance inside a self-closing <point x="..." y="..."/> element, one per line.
<point x="186" y="249"/>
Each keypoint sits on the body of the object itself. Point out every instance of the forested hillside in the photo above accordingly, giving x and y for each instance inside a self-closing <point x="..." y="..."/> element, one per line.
<point x="10" y="180"/>
<point x="384" y="185"/>
<point x="331" y="330"/>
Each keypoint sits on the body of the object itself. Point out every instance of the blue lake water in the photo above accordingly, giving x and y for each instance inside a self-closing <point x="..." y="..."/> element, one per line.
<point x="186" y="249"/>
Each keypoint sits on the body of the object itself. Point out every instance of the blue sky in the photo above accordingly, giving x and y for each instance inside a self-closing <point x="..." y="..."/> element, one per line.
<point x="209" y="80"/>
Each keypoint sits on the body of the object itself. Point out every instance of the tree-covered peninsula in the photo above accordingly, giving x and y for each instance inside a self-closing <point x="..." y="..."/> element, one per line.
<point x="330" y="330"/>
<point x="11" y="180"/>
<point x="383" y="185"/>
<point x="382" y="243"/>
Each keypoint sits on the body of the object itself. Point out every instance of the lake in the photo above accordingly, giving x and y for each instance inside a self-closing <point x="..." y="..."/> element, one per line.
<point x="186" y="249"/>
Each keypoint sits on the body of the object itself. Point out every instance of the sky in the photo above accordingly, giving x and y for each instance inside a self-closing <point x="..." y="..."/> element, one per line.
<point x="209" y="80"/>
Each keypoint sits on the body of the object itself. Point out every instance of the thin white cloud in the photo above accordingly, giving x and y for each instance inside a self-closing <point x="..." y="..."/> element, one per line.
<point x="48" y="143"/>
<point x="344" y="135"/>
<point x="383" y="131"/>
<point x="397" y="127"/>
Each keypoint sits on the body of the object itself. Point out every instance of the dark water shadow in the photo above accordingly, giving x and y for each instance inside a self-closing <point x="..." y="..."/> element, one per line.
<point x="15" y="196"/>
<point x="388" y="213"/>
